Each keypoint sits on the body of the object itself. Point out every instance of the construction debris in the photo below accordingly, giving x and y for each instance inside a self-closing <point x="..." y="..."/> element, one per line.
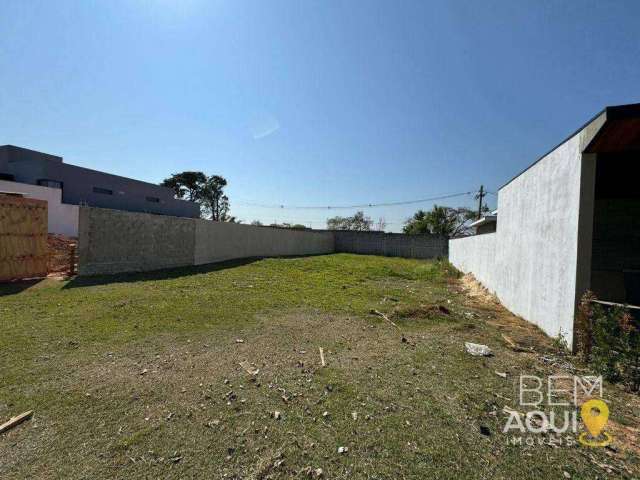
<point x="322" y="357"/>
<point x="385" y="317"/>
<point x="501" y="374"/>
<point x="15" y="421"/>
<point x="513" y="345"/>
<point x="478" y="350"/>
<point x="249" y="369"/>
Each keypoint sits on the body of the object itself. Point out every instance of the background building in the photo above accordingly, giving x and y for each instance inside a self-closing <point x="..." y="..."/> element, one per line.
<point x="83" y="186"/>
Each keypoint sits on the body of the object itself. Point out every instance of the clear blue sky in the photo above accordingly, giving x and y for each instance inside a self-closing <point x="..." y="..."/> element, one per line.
<point x="307" y="103"/>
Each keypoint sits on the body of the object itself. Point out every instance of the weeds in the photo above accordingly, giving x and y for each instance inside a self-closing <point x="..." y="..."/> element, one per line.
<point x="609" y="341"/>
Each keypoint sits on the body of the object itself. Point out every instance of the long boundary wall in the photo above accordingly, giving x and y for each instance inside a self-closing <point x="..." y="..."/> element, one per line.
<point x="219" y="241"/>
<point x="391" y="244"/>
<point x="115" y="241"/>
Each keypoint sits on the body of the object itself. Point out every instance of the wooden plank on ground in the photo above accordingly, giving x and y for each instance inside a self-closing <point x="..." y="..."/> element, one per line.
<point x="17" y="420"/>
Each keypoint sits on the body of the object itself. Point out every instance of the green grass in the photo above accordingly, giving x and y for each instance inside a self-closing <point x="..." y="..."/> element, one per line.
<point x="129" y="376"/>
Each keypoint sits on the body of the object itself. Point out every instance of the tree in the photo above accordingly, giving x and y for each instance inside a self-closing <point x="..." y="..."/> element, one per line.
<point x="186" y="184"/>
<point x="447" y="221"/>
<point x="256" y="223"/>
<point x="294" y="226"/>
<point x="214" y="202"/>
<point x="357" y="222"/>
<point x="205" y="190"/>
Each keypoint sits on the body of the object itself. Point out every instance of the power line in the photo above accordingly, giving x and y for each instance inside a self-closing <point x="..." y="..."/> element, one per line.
<point x="364" y="205"/>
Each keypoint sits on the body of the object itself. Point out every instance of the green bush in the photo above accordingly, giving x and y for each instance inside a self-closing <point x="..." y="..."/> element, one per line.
<point x="608" y="338"/>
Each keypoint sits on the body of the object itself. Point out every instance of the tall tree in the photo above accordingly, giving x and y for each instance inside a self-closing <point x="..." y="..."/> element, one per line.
<point x="447" y="221"/>
<point x="357" y="222"/>
<point x="214" y="202"/>
<point x="186" y="185"/>
<point x="208" y="191"/>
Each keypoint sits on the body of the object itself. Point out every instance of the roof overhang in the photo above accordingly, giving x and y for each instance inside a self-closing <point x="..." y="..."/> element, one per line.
<point x="484" y="220"/>
<point x="615" y="129"/>
<point x="619" y="133"/>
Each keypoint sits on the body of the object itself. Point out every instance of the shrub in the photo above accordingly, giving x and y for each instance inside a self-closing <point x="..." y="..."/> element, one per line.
<point x="608" y="338"/>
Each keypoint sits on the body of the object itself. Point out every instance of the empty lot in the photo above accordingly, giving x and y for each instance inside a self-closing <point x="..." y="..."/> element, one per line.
<point x="139" y="376"/>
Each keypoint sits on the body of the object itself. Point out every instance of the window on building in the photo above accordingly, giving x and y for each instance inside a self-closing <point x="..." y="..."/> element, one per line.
<point x="104" y="191"/>
<point x="153" y="199"/>
<point x="45" y="182"/>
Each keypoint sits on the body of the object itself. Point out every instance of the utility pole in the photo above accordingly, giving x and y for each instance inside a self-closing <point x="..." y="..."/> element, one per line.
<point x="480" y="196"/>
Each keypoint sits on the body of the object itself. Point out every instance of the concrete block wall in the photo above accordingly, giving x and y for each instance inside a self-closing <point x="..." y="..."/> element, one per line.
<point x="114" y="241"/>
<point x="391" y="244"/>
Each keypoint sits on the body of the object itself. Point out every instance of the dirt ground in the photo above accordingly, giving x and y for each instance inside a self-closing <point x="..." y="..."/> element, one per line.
<point x="62" y="255"/>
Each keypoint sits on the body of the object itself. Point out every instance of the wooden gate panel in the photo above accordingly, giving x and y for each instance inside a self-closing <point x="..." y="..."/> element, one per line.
<point x="23" y="238"/>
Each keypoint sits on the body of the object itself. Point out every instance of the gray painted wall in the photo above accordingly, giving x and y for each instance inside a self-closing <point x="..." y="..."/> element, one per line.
<point x="391" y="244"/>
<point x="219" y="241"/>
<point x="114" y="241"/>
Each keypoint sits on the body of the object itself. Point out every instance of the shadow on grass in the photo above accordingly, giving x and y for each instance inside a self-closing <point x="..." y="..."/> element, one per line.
<point x="165" y="274"/>
<point x="13" y="288"/>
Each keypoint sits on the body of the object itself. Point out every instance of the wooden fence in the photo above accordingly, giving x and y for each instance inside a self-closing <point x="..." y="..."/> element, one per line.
<point x="23" y="238"/>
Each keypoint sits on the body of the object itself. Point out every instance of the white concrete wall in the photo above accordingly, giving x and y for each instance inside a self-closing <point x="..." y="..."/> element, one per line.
<point x="63" y="218"/>
<point x="476" y="254"/>
<point x="537" y="241"/>
<point x="543" y="220"/>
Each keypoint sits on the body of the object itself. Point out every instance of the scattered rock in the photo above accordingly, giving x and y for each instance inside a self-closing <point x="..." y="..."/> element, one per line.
<point x="478" y="350"/>
<point x="343" y="450"/>
<point x="354" y="415"/>
<point x="501" y="374"/>
<point x="277" y="415"/>
<point x="175" y="458"/>
<point x="249" y="368"/>
<point x="566" y="474"/>
<point x="239" y="340"/>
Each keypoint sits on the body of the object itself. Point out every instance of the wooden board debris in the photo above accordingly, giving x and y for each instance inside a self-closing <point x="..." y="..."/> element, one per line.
<point x="15" y="421"/>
